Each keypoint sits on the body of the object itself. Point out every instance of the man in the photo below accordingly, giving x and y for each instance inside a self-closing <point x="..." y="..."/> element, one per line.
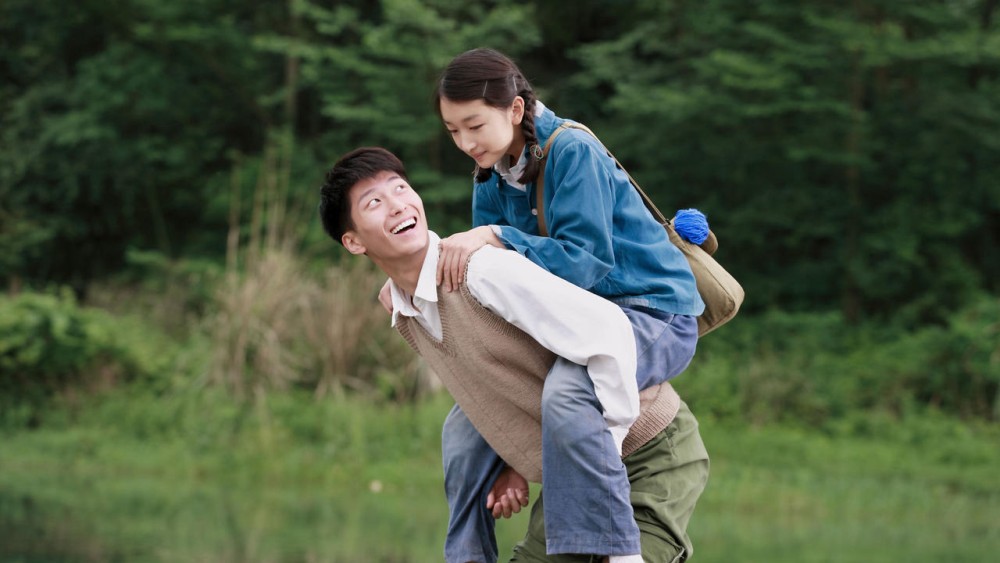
<point x="492" y="344"/>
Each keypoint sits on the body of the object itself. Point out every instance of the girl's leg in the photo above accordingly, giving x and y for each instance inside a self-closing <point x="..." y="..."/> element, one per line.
<point x="668" y="475"/>
<point x="665" y="343"/>
<point x="587" y="507"/>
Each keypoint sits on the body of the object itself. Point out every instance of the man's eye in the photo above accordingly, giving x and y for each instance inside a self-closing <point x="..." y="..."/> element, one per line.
<point x="372" y="203"/>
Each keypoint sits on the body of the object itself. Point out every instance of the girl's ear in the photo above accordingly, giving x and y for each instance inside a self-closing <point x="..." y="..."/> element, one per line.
<point x="352" y="243"/>
<point x="517" y="110"/>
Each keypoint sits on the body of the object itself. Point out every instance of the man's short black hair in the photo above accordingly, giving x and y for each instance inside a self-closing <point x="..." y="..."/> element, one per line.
<point x="356" y="166"/>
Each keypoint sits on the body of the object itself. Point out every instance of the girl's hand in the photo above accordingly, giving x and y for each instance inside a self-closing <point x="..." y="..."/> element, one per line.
<point x="455" y="252"/>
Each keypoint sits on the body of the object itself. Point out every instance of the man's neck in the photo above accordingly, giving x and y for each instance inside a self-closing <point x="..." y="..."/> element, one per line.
<point x="404" y="272"/>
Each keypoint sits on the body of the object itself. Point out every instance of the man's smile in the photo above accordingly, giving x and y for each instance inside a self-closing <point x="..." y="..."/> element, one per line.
<point x="408" y="223"/>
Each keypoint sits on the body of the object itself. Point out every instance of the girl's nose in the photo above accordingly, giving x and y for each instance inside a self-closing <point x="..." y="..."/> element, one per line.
<point x="467" y="143"/>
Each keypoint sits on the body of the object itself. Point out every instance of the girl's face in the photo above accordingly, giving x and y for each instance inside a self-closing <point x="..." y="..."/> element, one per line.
<point x="484" y="132"/>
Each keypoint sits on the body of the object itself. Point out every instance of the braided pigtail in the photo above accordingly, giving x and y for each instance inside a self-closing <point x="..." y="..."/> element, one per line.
<point x="482" y="174"/>
<point x="532" y="167"/>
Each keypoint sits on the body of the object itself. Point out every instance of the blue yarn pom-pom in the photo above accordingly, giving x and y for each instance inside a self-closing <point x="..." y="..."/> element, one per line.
<point x="691" y="225"/>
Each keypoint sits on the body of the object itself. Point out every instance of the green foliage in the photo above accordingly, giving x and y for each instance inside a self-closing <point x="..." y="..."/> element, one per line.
<point x="845" y="155"/>
<point x="843" y="152"/>
<point x="199" y="476"/>
<point x="112" y="123"/>
<point x="50" y="347"/>
<point x="816" y="137"/>
<point x="819" y="370"/>
<point x="372" y="71"/>
<point x="954" y="368"/>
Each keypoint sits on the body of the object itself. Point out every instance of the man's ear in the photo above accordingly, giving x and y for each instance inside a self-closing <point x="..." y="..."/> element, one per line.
<point x="517" y="110"/>
<point x="353" y="243"/>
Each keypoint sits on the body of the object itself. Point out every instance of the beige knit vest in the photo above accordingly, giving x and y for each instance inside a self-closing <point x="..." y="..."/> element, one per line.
<point x="495" y="373"/>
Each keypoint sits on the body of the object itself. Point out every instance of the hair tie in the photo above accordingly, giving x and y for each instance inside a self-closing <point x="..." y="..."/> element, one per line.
<point x="536" y="151"/>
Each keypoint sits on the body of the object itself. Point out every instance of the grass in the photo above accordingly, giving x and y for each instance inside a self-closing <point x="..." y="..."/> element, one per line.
<point x="781" y="494"/>
<point x="302" y="480"/>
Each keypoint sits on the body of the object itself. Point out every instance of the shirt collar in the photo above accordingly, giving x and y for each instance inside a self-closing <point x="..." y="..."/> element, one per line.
<point x="511" y="175"/>
<point x="405" y="304"/>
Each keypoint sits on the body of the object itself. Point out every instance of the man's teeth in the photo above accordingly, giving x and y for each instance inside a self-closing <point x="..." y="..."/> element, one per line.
<point x="403" y="225"/>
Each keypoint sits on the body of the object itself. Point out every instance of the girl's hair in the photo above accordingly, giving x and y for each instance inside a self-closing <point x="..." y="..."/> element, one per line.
<point x="488" y="75"/>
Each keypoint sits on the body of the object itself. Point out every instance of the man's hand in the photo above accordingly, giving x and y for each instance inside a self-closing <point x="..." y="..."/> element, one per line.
<point x="508" y="495"/>
<point x="455" y="252"/>
<point x="385" y="296"/>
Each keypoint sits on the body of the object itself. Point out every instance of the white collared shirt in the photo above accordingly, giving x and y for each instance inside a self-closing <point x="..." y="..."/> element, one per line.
<point x="422" y="305"/>
<point x="569" y="321"/>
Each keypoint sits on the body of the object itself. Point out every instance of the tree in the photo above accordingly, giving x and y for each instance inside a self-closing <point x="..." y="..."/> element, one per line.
<point x="831" y="144"/>
<point x="374" y="70"/>
<point x="115" y="116"/>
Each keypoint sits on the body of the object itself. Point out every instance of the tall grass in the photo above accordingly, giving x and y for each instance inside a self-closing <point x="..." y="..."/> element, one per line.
<point x="278" y="324"/>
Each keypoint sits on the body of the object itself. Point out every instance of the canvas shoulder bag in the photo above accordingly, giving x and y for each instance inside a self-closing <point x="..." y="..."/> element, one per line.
<point x="720" y="291"/>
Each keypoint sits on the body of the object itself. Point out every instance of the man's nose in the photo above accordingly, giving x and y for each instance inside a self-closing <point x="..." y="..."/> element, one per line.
<point x="396" y="204"/>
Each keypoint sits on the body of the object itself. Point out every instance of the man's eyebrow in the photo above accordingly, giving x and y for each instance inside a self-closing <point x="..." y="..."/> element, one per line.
<point x="366" y="193"/>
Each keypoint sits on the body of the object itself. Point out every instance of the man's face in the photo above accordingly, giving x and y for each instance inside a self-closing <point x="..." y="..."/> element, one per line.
<point x="388" y="218"/>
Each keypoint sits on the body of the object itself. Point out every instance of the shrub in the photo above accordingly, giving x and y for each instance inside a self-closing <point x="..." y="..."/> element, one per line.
<point x="959" y="369"/>
<point x="50" y="347"/>
<point x="173" y="294"/>
<point x="813" y="368"/>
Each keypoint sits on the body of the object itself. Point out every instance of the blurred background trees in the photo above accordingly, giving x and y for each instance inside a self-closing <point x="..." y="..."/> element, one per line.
<point x="845" y="153"/>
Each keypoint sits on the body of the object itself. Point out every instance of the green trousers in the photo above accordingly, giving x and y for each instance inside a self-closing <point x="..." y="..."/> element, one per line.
<point x="667" y="475"/>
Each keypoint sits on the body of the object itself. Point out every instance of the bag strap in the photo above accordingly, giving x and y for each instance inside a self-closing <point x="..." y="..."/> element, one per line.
<point x="540" y="182"/>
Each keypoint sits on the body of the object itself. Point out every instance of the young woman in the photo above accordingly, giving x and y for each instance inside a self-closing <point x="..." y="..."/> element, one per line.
<point x="601" y="238"/>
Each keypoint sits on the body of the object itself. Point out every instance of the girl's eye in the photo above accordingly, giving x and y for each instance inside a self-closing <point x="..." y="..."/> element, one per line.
<point x="476" y="127"/>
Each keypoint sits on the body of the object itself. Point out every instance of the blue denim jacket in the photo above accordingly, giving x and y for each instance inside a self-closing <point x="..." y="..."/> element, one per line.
<point x="601" y="236"/>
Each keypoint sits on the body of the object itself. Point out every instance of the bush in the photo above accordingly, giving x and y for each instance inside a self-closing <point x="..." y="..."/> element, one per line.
<point x="172" y="294"/>
<point x="958" y="367"/>
<point x="50" y="347"/>
<point x="815" y="368"/>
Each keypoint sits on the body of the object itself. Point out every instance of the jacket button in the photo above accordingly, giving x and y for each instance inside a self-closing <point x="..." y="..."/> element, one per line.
<point x="534" y="212"/>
